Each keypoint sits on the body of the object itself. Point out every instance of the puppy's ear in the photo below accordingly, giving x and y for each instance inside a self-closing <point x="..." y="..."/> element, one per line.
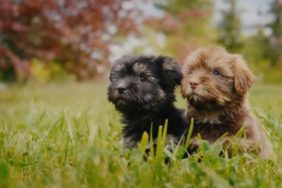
<point x="170" y="71"/>
<point x="243" y="77"/>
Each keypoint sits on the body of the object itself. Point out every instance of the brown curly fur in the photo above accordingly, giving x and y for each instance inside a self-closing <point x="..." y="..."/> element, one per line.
<point x="218" y="101"/>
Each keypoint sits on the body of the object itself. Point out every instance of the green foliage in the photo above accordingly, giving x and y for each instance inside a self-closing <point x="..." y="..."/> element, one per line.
<point x="264" y="52"/>
<point x="186" y="25"/>
<point x="53" y="71"/>
<point x="275" y="40"/>
<point x="275" y="25"/>
<point x="229" y="30"/>
<point x="69" y="136"/>
<point x="262" y="57"/>
<point x="4" y="174"/>
<point x="193" y="15"/>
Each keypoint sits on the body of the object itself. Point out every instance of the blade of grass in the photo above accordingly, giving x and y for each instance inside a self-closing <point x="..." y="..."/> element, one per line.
<point x="188" y="138"/>
<point x="69" y="128"/>
<point x="159" y="142"/>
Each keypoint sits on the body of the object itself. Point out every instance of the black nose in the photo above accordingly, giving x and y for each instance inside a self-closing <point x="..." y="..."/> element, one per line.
<point x="121" y="90"/>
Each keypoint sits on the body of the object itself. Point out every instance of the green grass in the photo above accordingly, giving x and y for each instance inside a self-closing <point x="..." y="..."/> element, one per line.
<point x="70" y="136"/>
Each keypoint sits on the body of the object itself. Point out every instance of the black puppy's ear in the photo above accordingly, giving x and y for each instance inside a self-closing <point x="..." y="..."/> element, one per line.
<point x="170" y="72"/>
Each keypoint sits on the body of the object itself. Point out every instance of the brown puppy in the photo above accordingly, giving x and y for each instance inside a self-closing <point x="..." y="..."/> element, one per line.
<point x="215" y="84"/>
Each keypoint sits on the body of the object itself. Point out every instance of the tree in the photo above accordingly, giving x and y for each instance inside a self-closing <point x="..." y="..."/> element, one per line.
<point x="185" y="24"/>
<point x="73" y="33"/>
<point x="229" y="28"/>
<point x="275" y="39"/>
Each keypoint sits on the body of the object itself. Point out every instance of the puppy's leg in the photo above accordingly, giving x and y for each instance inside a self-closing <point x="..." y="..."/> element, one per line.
<point x="234" y="145"/>
<point x="257" y="134"/>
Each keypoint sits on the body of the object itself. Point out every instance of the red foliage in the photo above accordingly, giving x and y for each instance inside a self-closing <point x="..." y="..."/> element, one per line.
<point x="65" y="31"/>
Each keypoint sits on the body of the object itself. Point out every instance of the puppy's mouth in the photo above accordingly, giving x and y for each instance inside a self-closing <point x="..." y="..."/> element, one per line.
<point x="195" y="98"/>
<point x="202" y="105"/>
<point x="123" y="104"/>
<point x="125" y="99"/>
<point x="202" y="102"/>
<point x="131" y="102"/>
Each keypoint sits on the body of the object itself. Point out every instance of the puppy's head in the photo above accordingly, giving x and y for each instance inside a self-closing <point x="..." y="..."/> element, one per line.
<point x="143" y="83"/>
<point x="213" y="77"/>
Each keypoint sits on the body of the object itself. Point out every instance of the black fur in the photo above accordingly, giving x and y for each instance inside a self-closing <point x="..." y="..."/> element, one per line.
<point x="142" y="89"/>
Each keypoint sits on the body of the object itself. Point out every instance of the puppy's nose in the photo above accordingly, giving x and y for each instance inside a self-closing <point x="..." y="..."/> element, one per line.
<point x="193" y="85"/>
<point x="121" y="90"/>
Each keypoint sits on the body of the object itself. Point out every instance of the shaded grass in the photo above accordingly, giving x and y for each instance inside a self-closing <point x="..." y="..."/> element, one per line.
<point x="69" y="136"/>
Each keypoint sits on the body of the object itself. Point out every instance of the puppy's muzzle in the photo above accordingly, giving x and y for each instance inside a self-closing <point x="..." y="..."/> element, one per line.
<point x="193" y="85"/>
<point x="121" y="90"/>
<point x="123" y="86"/>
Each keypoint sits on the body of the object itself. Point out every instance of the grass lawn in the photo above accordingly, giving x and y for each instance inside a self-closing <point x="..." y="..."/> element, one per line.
<point x="69" y="135"/>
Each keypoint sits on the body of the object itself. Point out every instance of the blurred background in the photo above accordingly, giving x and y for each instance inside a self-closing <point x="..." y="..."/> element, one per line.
<point x="44" y="41"/>
<point x="57" y="128"/>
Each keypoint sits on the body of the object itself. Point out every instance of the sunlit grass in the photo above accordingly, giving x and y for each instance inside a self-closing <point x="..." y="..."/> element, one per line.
<point x="70" y="136"/>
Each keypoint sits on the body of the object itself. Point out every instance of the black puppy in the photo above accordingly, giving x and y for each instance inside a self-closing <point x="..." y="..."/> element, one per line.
<point x="142" y="89"/>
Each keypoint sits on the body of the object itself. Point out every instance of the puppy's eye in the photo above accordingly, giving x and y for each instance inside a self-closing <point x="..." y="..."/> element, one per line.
<point x="142" y="78"/>
<point x="216" y="73"/>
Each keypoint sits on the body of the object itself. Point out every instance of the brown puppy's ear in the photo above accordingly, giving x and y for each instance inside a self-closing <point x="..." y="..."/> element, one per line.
<point x="170" y="72"/>
<point x="243" y="77"/>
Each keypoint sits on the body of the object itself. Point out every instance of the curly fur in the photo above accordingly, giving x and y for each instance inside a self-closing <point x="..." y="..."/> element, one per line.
<point x="142" y="90"/>
<point x="215" y="84"/>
